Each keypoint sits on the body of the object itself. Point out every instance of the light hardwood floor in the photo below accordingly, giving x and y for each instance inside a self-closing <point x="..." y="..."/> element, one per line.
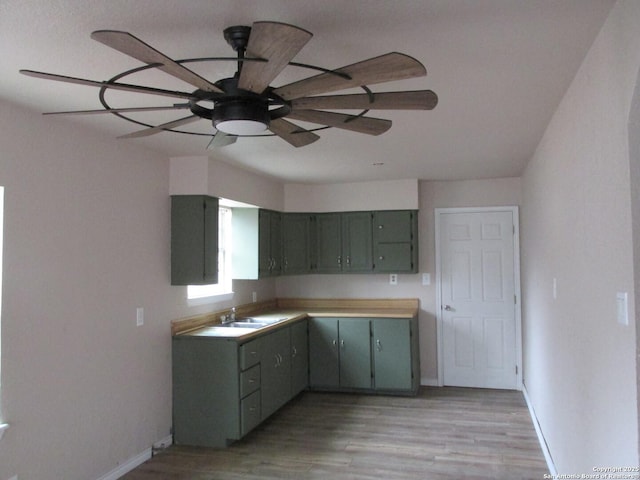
<point x="443" y="433"/>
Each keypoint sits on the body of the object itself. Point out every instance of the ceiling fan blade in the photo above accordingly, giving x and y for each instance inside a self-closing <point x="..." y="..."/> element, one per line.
<point x="291" y="133"/>
<point x="413" y="100"/>
<point x="177" y="106"/>
<point x="159" y="128"/>
<point x="276" y="42"/>
<point x="368" y="125"/>
<point x="116" y="86"/>
<point x="221" y="139"/>
<point x="385" y="68"/>
<point x="134" y="47"/>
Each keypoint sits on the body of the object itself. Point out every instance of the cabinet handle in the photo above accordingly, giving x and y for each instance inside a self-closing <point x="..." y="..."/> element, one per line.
<point x="380" y="257"/>
<point x="294" y="351"/>
<point x="378" y="345"/>
<point x="380" y="227"/>
<point x="348" y="261"/>
<point x="252" y="380"/>
<point x="335" y="342"/>
<point x="339" y="260"/>
<point x="277" y="361"/>
<point x="252" y="409"/>
<point x="342" y="343"/>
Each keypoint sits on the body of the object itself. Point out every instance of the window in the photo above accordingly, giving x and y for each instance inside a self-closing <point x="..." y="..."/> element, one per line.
<point x="224" y="285"/>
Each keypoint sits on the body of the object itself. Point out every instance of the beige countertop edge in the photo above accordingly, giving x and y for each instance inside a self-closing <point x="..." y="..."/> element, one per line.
<point x="207" y="328"/>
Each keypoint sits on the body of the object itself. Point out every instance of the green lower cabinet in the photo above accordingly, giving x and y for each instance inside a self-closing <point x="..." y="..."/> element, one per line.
<point x="207" y="406"/>
<point x="355" y="353"/>
<point x="373" y="354"/>
<point x="299" y="357"/>
<point x="276" y="371"/>
<point x="222" y="388"/>
<point x="339" y="353"/>
<point x="393" y="368"/>
<point x="324" y="360"/>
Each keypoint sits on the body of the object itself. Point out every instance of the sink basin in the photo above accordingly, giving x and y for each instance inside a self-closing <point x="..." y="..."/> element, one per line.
<point x="263" y="321"/>
<point x="249" y="320"/>
<point x="243" y="324"/>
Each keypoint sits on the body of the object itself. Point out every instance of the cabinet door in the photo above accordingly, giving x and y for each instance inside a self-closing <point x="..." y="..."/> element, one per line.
<point x="392" y="353"/>
<point x="328" y="243"/>
<point x="393" y="226"/>
<point x="275" y="370"/>
<point x="275" y="242"/>
<point x="355" y="353"/>
<point x="264" y="243"/>
<point x="299" y="357"/>
<point x="194" y="240"/>
<point x="357" y="254"/>
<point x="395" y="241"/>
<point x="296" y="241"/>
<point x="324" y="367"/>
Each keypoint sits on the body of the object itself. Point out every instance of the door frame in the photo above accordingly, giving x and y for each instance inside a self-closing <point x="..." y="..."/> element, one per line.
<point x="516" y="272"/>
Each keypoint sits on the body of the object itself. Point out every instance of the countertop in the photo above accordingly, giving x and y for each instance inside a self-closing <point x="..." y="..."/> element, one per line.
<point x="287" y="311"/>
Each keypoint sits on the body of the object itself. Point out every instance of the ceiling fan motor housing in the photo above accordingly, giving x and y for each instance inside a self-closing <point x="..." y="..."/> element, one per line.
<point x="241" y="111"/>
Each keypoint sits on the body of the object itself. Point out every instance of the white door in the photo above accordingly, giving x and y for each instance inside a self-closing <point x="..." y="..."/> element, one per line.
<point x="478" y="299"/>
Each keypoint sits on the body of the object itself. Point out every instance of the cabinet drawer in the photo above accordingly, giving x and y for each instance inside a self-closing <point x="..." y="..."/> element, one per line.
<point x="249" y="381"/>
<point x="249" y="354"/>
<point x="250" y="413"/>
<point x="393" y="257"/>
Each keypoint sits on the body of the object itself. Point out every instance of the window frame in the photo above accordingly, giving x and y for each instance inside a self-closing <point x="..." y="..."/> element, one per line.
<point x="223" y="290"/>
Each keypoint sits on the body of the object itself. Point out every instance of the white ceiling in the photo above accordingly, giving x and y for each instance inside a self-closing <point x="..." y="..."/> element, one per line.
<point x="499" y="67"/>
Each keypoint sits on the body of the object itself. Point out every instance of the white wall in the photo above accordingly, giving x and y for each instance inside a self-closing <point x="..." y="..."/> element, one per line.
<point x="86" y="242"/>
<point x="344" y="197"/>
<point x="474" y="193"/>
<point x="576" y="227"/>
<point x="634" y="156"/>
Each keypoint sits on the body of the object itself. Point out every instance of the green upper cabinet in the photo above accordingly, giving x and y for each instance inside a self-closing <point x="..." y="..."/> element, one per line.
<point x="356" y="242"/>
<point x="296" y="243"/>
<point x="343" y="243"/>
<point x="194" y="240"/>
<point x="269" y="243"/>
<point x="395" y="241"/>
<point x="328" y="243"/>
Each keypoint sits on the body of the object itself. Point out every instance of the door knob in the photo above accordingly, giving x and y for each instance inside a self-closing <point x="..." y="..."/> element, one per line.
<point x="448" y="308"/>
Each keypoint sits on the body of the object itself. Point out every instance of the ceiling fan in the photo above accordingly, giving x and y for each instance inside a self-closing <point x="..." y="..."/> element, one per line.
<point x="246" y="104"/>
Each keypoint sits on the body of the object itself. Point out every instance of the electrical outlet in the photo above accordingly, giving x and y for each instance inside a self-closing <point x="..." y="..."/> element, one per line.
<point x="139" y="316"/>
<point x="393" y="279"/>
<point x="254" y="297"/>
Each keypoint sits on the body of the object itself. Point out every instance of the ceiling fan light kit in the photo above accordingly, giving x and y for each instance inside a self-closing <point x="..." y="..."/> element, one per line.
<point x="245" y="105"/>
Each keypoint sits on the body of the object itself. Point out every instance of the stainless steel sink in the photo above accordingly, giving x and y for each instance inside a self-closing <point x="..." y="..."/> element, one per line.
<point x="243" y="324"/>
<point x="261" y="321"/>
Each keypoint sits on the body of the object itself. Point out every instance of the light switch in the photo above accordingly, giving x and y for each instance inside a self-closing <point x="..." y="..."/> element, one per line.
<point x="555" y="288"/>
<point x="622" y="308"/>
<point x="139" y="316"/>
<point x="426" y="279"/>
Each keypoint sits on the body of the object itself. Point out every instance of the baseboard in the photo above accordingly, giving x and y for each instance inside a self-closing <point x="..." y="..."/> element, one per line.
<point x="428" y="382"/>
<point x="135" y="461"/>
<point x="541" y="439"/>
